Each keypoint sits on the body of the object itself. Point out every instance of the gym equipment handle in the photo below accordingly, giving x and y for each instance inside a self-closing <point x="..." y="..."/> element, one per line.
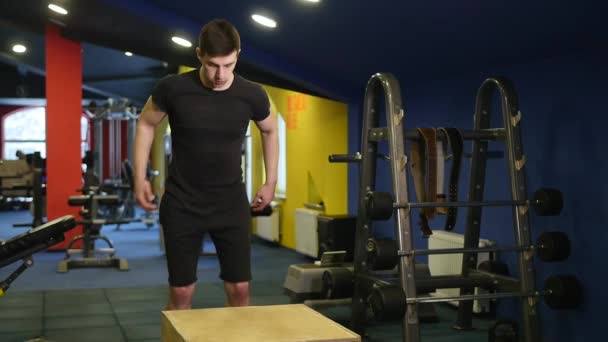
<point x="465" y="250"/>
<point x="477" y="296"/>
<point x="19" y="225"/>
<point x="103" y="222"/>
<point x="462" y="204"/>
<point x="345" y="158"/>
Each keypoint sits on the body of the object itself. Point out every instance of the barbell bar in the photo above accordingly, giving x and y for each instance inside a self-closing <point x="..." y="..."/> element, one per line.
<point x="383" y="253"/>
<point x="562" y="291"/>
<point x="546" y="202"/>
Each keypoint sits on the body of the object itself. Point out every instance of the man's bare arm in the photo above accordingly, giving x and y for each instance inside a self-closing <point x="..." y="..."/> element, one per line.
<point x="149" y="118"/>
<point x="270" y="144"/>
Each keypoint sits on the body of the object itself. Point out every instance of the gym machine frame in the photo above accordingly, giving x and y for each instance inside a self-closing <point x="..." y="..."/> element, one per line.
<point x="38" y="193"/>
<point x="92" y="232"/>
<point x="115" y="112"/>
<point x="481" y="134"/>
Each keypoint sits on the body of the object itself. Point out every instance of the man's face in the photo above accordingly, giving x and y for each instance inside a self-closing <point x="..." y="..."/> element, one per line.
<point x="218" y="71"/>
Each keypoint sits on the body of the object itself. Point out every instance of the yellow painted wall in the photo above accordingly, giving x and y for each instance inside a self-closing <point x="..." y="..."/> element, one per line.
<point x="316" y="128"/>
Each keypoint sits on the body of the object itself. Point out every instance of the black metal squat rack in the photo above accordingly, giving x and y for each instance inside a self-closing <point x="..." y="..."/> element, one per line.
<point x="398" y="298"/>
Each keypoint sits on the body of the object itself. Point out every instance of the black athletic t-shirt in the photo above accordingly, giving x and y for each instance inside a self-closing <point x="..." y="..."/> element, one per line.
<point x="207" y="132"/>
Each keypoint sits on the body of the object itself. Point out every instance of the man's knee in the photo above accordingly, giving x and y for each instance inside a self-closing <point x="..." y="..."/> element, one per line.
<point x="182" y="291"/>
<point x="238" y="293"/>
<point x="241" y="287"/>
<point x="181" y="297"/>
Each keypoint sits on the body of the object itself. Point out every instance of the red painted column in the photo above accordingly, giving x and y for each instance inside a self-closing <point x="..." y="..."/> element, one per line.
<point x="63" y="111"/>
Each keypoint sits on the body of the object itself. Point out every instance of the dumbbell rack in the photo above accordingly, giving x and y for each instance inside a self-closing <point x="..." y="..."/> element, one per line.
<point x="510" y="134"/>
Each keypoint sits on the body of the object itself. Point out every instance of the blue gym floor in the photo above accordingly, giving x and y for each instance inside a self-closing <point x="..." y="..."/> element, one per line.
<point x="100" y="304"/>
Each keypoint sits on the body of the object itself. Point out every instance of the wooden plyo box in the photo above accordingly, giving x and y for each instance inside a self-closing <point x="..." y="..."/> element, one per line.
<point x="272" y="323"/>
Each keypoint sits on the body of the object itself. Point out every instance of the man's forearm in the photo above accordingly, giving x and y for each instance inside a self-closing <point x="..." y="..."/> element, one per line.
<point x="143" y="143"/>
<point x="270" y="142"/>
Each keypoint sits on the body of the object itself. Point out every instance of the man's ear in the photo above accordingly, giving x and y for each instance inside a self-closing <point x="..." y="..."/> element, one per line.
<point x="199" y="55"/>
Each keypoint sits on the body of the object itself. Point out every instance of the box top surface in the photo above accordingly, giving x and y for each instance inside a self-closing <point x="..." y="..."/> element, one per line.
<point x="293" y="322"/>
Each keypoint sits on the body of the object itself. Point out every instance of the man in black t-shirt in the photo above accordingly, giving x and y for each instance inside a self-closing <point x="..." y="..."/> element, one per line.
<point x="209" y="110"/>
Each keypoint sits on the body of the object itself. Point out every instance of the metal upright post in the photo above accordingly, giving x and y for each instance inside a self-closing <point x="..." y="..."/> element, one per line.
<point x="477" y="178"/>
<point x="387" y="84"/>
<point x="366" y="183"/>
<point x="117" y="150"/>
<point x="521" y="214"/>
<point x="516" y="162"/>
<point x="98" y="149"/>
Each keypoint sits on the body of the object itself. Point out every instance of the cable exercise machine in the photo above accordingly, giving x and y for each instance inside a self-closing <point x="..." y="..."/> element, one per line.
<point x="118" y="119"/>
<point x="398" y="298"/>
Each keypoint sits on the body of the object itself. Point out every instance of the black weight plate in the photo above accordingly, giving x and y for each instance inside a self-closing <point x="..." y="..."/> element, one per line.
<point x="553" y="246"/>
<point x="565" y="292"/>
<point x="379" y="205"/>
<point x="387" y="302"/>
<point x="548" y="202"/>
<point x="382" y="254"/>
<point x="337" y="283"/>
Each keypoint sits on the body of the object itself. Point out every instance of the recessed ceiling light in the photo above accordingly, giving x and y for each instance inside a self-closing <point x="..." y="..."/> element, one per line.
<point x="58" y="9"/>
<point x="181" y="41"/>
<point x="311" y="0"/>
<point x="18" y="48"/>
<point x="128" y="53"/>
<point x="262" y="20"/>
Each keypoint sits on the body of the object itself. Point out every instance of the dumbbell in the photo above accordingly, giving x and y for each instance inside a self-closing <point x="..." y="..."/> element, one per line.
<point x="546" y="202"/>
<point x="267" y="211"/>
<point x="388" y="302"/>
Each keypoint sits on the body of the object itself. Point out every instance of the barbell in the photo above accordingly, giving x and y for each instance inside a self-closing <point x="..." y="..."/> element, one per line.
<point x="546" y="202"/>
<point x="551" y="246"/>
<point x="562" y="291"/>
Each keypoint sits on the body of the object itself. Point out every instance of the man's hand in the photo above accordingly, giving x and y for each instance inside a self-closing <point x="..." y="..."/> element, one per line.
<point x="144" y="195"/>
<point x="263" y="197"/>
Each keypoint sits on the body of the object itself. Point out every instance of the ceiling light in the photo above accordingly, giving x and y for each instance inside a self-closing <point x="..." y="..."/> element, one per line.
<point x="18" y="48"/>
<point x="311" y="0"/>
<point x="181" y="41"/>
<point x="262" y="20"/>
<point x="128" y="53"/>
<point x="58" y="9"/>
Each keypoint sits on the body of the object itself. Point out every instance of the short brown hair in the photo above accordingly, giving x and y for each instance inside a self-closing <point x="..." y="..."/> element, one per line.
<point x="219" y="38"/>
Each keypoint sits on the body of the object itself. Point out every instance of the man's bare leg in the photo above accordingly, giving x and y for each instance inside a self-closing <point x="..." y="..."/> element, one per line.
<point x="237" y="294"/>
<point x="180" y="297"/>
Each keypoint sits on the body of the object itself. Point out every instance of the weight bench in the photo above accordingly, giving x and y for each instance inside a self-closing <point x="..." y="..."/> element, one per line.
<point x="23" y="246"/>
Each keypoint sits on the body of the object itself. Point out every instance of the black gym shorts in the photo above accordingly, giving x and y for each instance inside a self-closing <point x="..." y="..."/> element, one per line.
<point x="226" y="219"/>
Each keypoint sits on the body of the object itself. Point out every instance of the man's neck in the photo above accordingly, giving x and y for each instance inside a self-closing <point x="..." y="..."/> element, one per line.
<point x="208" y="84"/>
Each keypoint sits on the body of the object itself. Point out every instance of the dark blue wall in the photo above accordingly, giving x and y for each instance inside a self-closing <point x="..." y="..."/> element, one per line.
<point x="563" y="103"/>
